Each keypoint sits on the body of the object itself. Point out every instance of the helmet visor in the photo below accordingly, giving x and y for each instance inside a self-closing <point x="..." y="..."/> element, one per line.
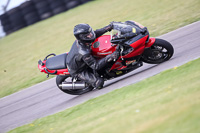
<point x="88" y="36"/>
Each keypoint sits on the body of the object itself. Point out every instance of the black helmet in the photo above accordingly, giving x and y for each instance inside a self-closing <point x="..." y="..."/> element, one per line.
<point x="84" y="33"/>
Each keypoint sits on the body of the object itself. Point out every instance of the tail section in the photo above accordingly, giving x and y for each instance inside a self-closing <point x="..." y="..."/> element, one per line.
<point x="55" y="65"/>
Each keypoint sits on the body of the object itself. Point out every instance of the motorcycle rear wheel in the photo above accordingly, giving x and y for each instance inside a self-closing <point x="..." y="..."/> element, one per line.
<point x="159" y="52"/>
<point x="62" y="78"/>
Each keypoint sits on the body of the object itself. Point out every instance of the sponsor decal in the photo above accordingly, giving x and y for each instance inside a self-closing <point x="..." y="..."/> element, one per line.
<point x="119" y="72"/>
<point x="66" y="72"/>
<point x="104" y="53"/>
<point x="130" y="62"/>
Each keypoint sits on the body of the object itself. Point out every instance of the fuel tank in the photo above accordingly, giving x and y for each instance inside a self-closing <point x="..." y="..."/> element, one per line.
<point x="102" y="46"/>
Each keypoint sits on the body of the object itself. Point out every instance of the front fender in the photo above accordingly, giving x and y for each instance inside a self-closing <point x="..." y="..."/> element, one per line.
<point x="150" y="42"/>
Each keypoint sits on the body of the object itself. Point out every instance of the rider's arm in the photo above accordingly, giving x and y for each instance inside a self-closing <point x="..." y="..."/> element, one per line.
<point x="93" y="63"/>
<point x="100" y="32"/>
<point x="98" y="64"/>
<point x="128" y="35"/>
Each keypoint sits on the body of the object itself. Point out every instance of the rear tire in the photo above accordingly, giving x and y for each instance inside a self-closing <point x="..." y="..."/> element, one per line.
<point x="62" y="78"/>
<point x="159" y="52"/>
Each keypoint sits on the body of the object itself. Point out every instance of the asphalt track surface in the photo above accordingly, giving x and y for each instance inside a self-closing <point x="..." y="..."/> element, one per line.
<point x="45" y="98"/>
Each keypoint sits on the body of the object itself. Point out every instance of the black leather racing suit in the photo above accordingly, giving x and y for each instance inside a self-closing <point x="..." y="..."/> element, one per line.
<point x="79" y="59"/>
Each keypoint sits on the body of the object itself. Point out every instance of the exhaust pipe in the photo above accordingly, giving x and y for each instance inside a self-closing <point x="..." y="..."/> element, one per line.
<point x="73" y="85"/>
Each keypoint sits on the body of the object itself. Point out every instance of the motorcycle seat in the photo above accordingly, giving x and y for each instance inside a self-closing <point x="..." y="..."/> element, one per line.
<point x="57" y="62"/>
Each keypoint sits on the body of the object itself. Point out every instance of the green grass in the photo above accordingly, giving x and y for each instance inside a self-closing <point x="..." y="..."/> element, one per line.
<point x="21" y="50"/>
<point x="165" y="103"/>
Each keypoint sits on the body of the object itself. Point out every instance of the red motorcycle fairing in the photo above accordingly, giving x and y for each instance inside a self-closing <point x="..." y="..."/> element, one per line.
<point x="138" y="46"/>
<point x="102" y="47"/>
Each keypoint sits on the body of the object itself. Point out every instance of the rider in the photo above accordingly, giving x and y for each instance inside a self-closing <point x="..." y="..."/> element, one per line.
<point x="80" y="63"/>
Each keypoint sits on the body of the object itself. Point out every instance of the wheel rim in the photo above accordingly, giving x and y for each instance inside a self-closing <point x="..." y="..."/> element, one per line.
<point x="158" y="53"/>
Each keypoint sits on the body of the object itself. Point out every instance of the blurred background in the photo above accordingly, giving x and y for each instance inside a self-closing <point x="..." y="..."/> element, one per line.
<point x="17" y="14"/>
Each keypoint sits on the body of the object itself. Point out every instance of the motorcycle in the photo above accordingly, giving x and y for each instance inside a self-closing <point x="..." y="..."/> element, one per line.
<point x="134" y="44"/>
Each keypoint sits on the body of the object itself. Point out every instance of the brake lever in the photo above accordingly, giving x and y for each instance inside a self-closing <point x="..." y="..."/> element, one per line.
<point x="113" y="44"/>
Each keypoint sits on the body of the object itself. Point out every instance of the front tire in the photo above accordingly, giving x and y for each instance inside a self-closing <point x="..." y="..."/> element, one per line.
<point x="159" y="52"/>
<point x="63" y="78"/>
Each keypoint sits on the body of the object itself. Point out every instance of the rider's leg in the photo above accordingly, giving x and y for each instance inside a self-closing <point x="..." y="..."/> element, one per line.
<point x="91" y="78"/>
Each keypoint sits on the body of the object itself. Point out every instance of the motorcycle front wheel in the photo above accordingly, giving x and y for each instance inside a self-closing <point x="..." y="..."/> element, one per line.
<point x="159" y="52"/>
<point x="64" y="78"/>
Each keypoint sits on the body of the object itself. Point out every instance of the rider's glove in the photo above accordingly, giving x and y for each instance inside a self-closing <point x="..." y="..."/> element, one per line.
<point x="144" y="30"/>
<point x="112" y="57"/>
<point x="109" y="27"/>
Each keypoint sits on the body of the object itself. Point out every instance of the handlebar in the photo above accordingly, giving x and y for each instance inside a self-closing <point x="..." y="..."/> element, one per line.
<point x="117" y="40"/>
